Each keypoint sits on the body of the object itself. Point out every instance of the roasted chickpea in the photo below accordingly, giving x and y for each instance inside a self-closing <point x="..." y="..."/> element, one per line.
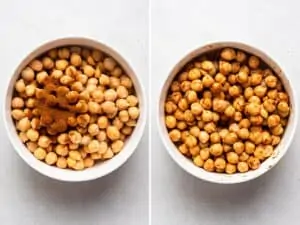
<point x="225" y="67"/>
<point x="207" y="81"/>
<point x="253" y="62"/>
<point x="230" y="138"/>
<point x="191" y="96"/>
<point x="216" y="149"/>
<point x="209" y="165"/>
<point x="241" y="56"/>
<point x="232" y="157"/>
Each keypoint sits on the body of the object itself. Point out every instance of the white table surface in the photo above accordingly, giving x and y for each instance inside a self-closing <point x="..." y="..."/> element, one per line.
<point x="180" y="26"/>
<point x="27" y="197"/>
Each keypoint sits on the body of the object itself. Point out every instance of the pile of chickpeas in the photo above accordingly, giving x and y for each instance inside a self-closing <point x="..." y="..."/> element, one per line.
<point x="227" y="111"/>
<point x="73" y="106"/>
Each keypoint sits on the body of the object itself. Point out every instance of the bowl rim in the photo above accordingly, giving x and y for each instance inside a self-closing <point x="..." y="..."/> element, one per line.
<point x="102" y="169"/>
<point x="213" y="177"/>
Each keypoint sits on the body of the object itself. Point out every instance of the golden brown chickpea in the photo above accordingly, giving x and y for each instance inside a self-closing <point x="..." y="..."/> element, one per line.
<point x="109" y="107"/>
<point x="239" y="147"/>
<point x="209" y="67"/>
<point x="268" y="151"/>
<point x="83" y="120"/>
<point x="17" y="103"/>
<point x="215" y="138"/>
<point x="36" y="65"/>
<point x="94" y="146"/>
<point x="185" y="86"/>
<point x="196" y="108"/>
<point x="230" y="138"/>
<point x="183" y="149"/>
<point x="61" y="163"/>
<point x="113" y="133"/>
<point x="40" y="153"/>
<point x="188" y="116"/>
<point x="283" y="96"/>
<point x="242" y="77"/>
<point x="17" y="114"/>
<point x="243" y="133"/>
<point x="89" y="71"/>
<point x="216" y="149"/>
<point x="191" y="96"/>
<point x="190" y="141"/>
<point x="104" y="80"/>
<point x="253" y="62"/>
<point x="240" y="56"/>
<point x="32" y="135"/>
<point x="181" y="125"/>
<point x="273" y="120"/>
<point x="253" y="163"/>
<point x="219" y="105"/>
<point x="209" y="165"/>
<point x="196" y="85"/>
<point x="175" y="86"/>
<point x="255" y="79"/>
<point x="232" y="79"/>
<point x="271" y="81"/>
<point x="253" y="109"/>
<point x="220" y="163"/>
<point x="255" y="137"/>
<point x="47" y="63"/>
<point x="23" y="124"/>
<point x="117" y="146"/>
<point x="122" y="92"/>
<point x="20" y="86"/>
<point x="194" y="74"/>
<point x="225" y="67"/>
<point x="102" y="136"/>
<point x="248" y="92"/>
<point x="230" y="168"/>
<point x="232" y="157"/>
<point x="126" y="82"/>
<point x="109" y="64"/>
<point x="203" y="137"/>
<point x="283" y="107"/>
<point x="243" y="157"/>
<point x="220" y="78"/>
<point x="269" y="105"/>
<point x="210" y="127"/>
<point x="242" y="167"/>
<point x="206" y="103"/>
<point x="175" y="135"/>
<point x="198" y="161"/>
<point x="228" y="54"/>
<point x="204" y="153"/>
<point x="44" y="141"/>
<point x="51" y="158"/>
<point x="207" y="81"/>
<point x="278" y="130"/>
<point x="260" y="91"/>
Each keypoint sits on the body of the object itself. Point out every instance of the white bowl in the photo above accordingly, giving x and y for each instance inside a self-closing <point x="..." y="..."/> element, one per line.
<point x="100" y="169"/>
<point x="280" y="150"/>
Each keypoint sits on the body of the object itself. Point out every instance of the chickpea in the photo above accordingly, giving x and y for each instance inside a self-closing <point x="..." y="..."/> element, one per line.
<point x="175" y="86"/>
<point x="229" y="111"/>
<point x="198" y="161"/>
<point x="175" y="135"/>
<point x="230" y="168"/>
<point x="191" y="141"/>
<point x="283" y="96"/>
<point x="269" y="105"/>
<point x="216" y="149"/>
<point x="191" y="96"/>
<point x="93" y="129"/>
<point x="183" y="104"/>
<point x="273" y="120"/>
<point x="196" y="85"/>
<point x="239" y="104"/>
<point x="188" y="116"/>
<point x="133" y="112"/>
<point x="23" y="137"/>
<point x="102" y="136"/>
<point x="23" y="124"/>
<point x="253" y="109"/>
<point x="40" y="153"/>
<point x="243" y="133"/>
<point x="109" y="107"/>
<point x="253" y="163"/>
<point x="32" y="135"/>
<point x="207" y="116"/>
<point x="216" y="88"/>
<point x="277" y="130"/>
<point x="113" y="133"/>
<point x="176" y="96"/>
<point x="215" y="138"/>
<point x="232" y="79"/>
<point x="203" y="137"/>
<point x="283" y="107"/>
<point x="126" y="82"/>
<point x="181" y="125"/>
<point x="61" y="163"/>
<point x="260" y="91"/>
<point x="75" y="137"/>
<point x="17" y="103"/>
<point x="20" y="86"/>
<point x="248" y="92"/>
<point x="253" y="62"/>
<point x="209" y="165"/>
<point x="183" y="149"/>
<point x="240" y="56"/>
<point x="242" y="77"/>
<point x="220" y="163"/>
<point x="44" y="141"/>
<point x="239" y="147"/>
<point x="194" y="74"/>
<point x="114" y="82"/>
<point x="32" y="146"/>
<point x="220" y="78"/>
<point x="195" y="131"/>
<point x="271" y="81"/>
<point x="17" y="114"/>
<point x="122" y="92"/>
<point x="232" y="157"/>
<point x="209" y="67"/>
<point x="207" y="81"/>
<point x="109" y="64"/>
<point x="185" y="86"/>
<point x="230" y="138"/>
<point x="204" y="153"/>
<point x="255" y="79"/>
<point x="104" y="80"/>
<point x="51" y="158"/>
<point x="228" y="54"/>
<point x="210" y="127"/>
<point x="61" y="150"/>
<point x="170" y="121"/>
<point x="35" y="65"/>
<point x="132" y="100"/>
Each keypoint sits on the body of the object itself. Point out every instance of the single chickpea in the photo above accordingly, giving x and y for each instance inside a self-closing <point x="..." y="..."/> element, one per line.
<point x="223" y="133"/>
<point x="278" y="130"/>
<point x="109" y="107"/>
<point x="210" y="127"/>
<point x="243" y="133"/>
<point x="283" y="96"/>
<point x="255" y="79"/>
<point x="47" y="63"/>
<point x="61" y="150"/>
<point x="175" y="97"/>
<point x="28" y="74"/>
<point x="88" y="70"/>
<point x="230" y="168"/>
<point x="232" y="79"/>
<point x="122" y="92"/>
<point x="195" y="150"/>
<point x="241" y="56"/>
<point x="61" y="64"/>
<point x="196" y="85"/>
<point x="61" y="163"/>
<point x="109" y="64"/>
<point x="104" y="80"/>
<point x="185" y="86"/>
<point x="256" y="120"/>
<point x="198" y="161"/>
<point x="44" y="141"/>
<point x="253" y="109"/>
<point x="220" y="78"/>
<point x="203" y="137"/>
<point x="243" y="157"/>
<point x="228" y="54"/>
<point x="63" y="53"/>
<point x="108" y="154"/>
<point x="216" y="88"/>
<point x="116" y="72"/>
<point x="260" y="91"/>
<point x="204" y="153"/>
<point x="239" y="104"/>
<point x="126" y="82"/>
<point x="271" y="81"/>
<point x="209" y="165"/>
<point x="207" y="116"/>
<point x="75" y="137"/>
<point x="232" y="157"/>
<point x="183" y="149"/>
<point x="194" y="74"/>
<point x="229" y="111"/>
<point x="93" y="129"/>
<point x="208" y="66"/>
<point x="195" y="131"/>
<point x="75" y="155"/>
<point x="242" y="77"/>
<point x="17" y="114"/>
<point x="216" y="149"/>
<point x="191" y="141"/>
<point x="124" y="116"/>
<point x="242" y="167"/>
<point x="220" y="163"/>
<point x="20" y="86"/>
<point x="117" y="146"/>
<point x="268" y="151"/>
<point x="207" y="81"/>
<point x="23" y="137"/>
<point x="101" y="136"/>
<point x="40" y="153"/>
<point x="283" y="107"/>
<point x="32" y="146"/>
<point x="175" y="86"/>
<point x="227" y="148"/>
<point x="188" y="116"/>
<point x="17" y="103"/>
<point x="94" y="146"/>
<point x="170" y="121"/>
<point x="225" y="67"/>
<point x="51" y="158"/>
<point x="113" y="133"/>
<point x="181" y="125"/>
<point x="126" y="130"/>
<point x="170" y="107"/>
<point x="215" y="138"/>
<point x="32" y="135"/>
<point x="248" y="92"/>
<point x="269" y="105"/>
<point x="36" y="65"/>
<point x="234" y="127"/>
<point x="132" y="100"/>
<point x="255" y="137"/>
<point x="239" y="147"/>
<point x="183" y="104"/>
<point x="253" y="163"/>
<point x="253" y="62"/>
<point x="23" y="124"/>
<point x="175" y="135"/>
<point x="191" y="96"/>
<point x="63" y="139"/>
<point x="103" y="122"/>
<point x="273" y="120"/>
<point x="230" y="138"/>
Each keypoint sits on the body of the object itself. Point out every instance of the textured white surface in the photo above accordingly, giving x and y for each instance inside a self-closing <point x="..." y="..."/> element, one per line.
<point x="181" y="26"/>
<point x="27" y="197"/>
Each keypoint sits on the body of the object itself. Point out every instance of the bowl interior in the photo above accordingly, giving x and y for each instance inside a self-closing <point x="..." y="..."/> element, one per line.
<point x="279" y="151"/>
<point x="100" y="169"/>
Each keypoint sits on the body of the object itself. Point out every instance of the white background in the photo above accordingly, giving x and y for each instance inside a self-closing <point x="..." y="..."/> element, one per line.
<point x="29" y="198"/>
<point x="181" y="26"/>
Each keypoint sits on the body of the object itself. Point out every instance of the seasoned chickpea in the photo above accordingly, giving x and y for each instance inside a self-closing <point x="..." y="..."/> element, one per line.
<point x="61" y="163"/>
<point x="83" y="120"/>
<point x="23" y="124"/>
<point x="242" y="77"/>
<point x="228" y="54"/>
<point x="271" y="81"/>
<point x="51" y="158"/>
<point x="232" y="157"/>
<point x="273" y="120"/>
<point x="239" y="147"/>
<point x="269" y="105"/>
<point x="190" y="141"/>
<point x="277" y="130"/>
<point x="253" y="163"/>
<point x="17" y="103"/>
<point x="196" y="85"/>
<point x="126" y="82"/>
<point x="109" y="107"/>
<point x="44" y="141"/>
<point x="175" y="135"/>
<point x="241" y="56"/>
<point x="203" y="137"/>
<point x="122" y="92"/>
<point x="243" y="133"/>
<point x="32" y="135"/>
<point x="255" y="79"/>
<point x="198" y="161"/>
<point x="75" y="137"/>
<point x="40" y="153"/>
<point x="132" y="100"/>
<point x="133" y="112"/>
<point x="230" y="168"/>
<point x="253" y="62"/>
<point x="194" y="74"/>
<point x="207" y="81"/>
<point x="20" y="86"/>
<point x="225" y="67"/>
<point x="220" y="163"/>
<point x="209" y="67"/>
<point x="123" y="104"/>
<point x="204" y="153"/>
<point x="283" y="107"/>
<point x="215" y="138"/>
<point x="242" y="167"/>
<point x="209" y="165"/>
<point x="230" y="138"/>
<point x="36" y="65"/>
<point x="216" y="149"/>
<point x="113" y="133"/>
<point x="207" y="116"/>
<point x="93" y="129"/>
<point x="18" y="114"/>
<point x="170" y="121"/>
<point x="253" y="109"/>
